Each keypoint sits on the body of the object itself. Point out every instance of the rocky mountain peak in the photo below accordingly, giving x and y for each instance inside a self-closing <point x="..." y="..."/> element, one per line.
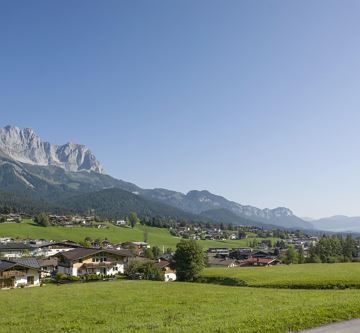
<point x="25" y="146"/>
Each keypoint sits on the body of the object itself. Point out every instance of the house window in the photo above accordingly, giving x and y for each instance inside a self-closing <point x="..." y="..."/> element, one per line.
<point x="99" y="258"/>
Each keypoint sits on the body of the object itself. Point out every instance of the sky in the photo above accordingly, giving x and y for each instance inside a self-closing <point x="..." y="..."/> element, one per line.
<point x="257" y="101"/>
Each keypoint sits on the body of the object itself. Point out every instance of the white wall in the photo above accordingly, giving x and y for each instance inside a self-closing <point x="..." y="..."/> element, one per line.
<point x="22" y="280"/>
<point x="170" y="277"/>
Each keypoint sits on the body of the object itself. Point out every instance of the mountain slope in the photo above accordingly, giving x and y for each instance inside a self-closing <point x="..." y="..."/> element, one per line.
<point x="198" y="202"/>
<point x="25" y="146"/>
<point x="117" y="203"/>
<point x="226" y="216"/>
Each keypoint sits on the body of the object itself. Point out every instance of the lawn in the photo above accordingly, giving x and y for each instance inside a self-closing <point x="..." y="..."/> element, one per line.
<point x="156" y="236"/>
<point x="140" y="306"/>
<point x="292" y="276"/>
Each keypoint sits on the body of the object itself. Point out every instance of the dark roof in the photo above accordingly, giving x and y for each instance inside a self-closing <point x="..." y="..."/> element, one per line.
<point x="28" y="262"/>
<point x="4" y="265"/>
<point x="65" y="244"/>
<point x="16" y="246"/>
<point x="48" y="262"/>
<point x="84" y="252"/>
<point x="78" y="253"/>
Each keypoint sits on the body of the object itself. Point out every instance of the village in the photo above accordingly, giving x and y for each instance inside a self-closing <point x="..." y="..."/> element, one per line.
<point x="33" y="262"/>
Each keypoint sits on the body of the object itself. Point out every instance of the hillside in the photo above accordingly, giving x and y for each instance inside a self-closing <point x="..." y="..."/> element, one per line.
<point x="116" y="203"/>
<point x="226" y="216"/>
<point x="156" y="236"/>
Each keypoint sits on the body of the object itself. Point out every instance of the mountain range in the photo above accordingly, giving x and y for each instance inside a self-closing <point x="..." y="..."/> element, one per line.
<point x="70" y="178"/>
<point x="338" y="223"/>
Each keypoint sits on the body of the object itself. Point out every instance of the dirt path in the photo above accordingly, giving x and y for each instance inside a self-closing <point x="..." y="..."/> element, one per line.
<point x="351" y="326"/>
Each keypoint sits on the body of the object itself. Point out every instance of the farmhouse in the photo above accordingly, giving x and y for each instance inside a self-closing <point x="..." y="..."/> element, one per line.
<point x="164" y="266"/>
<point x="34" y="248"/>
<point x="48" y="266"/>
<point x="49" y="249"/>
<point x="11" y="250"/>
<point x="219" y="251"/>
<point x="84" y="261"/>
<point x="19" y="273"/>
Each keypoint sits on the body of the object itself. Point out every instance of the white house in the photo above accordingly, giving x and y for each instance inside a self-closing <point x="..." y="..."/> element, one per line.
<point x="85" y="261"/>
<point x="12" y="250"/>
<point x="52" y="248"/>
<point x="169" y="274"/>
<point x="20" y="273"/>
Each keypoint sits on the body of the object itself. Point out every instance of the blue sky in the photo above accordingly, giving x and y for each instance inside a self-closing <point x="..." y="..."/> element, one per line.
<point x="255" y="100"/>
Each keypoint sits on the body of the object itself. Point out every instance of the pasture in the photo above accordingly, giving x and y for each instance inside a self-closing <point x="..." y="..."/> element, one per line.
<point x="144" y="306"/>
<point x="307" y="276"/>
<point x="156" y="236"/>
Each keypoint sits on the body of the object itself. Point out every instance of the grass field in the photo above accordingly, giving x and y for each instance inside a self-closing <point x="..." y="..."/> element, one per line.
<point x="140" y="306"/>
<point x="156" y="236"/>
<point x="292" y="276"/>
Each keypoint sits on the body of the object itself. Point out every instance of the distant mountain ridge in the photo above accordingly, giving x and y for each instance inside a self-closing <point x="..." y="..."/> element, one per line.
<point x="338" y="223"/>
<point x="198" y="202"/>
<point x="23" y="145"/>
<point x="55" y="174"/>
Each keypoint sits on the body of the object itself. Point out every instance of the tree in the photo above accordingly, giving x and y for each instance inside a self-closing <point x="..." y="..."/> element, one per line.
<point x="148" y="253"/>
<point x="86" y="242"/>
<point x="6" y="210"/>
<point x="188" y="260"/>
<point x="291" y="256"/>
<point x="349" y="248"/>
<point x="169" y="250"/>
<point x="146" y="235"/>
<point x="156" y="251"/>
<point x="42" y="220"/>
<point x="133" y="219"/>
<point x="301" y="256"/>
<point x="145" y="270"/>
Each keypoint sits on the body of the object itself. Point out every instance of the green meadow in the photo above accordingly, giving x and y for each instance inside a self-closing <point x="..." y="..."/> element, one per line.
<point x="156" y="236"/>
<point x="144" y="306"/>
<point x="311" y="276"/>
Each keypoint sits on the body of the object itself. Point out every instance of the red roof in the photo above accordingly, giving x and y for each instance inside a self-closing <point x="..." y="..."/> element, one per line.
<point x="162" y="264"/>
<point x="265" y="261"/>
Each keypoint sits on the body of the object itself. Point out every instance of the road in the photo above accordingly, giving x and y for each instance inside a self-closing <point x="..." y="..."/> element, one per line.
<point x="351" y="326"/>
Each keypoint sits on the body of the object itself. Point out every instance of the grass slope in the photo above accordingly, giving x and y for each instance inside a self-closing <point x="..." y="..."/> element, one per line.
<point x="140" y="306"/>
<point x="156" y="236"/>
<point x="293" y="276"/>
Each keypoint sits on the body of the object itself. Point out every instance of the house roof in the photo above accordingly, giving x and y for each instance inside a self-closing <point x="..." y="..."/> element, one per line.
<point x="16" y="246"/>
<point x="84" y="252"/>
<point x="260" y="260"/>
<point x="63" y="244"/>
<point x="162" y="264"/>
<point x="4" y="265"/>
<point x="27" y="263"/>
<point x="48" y="262"/>
<point x="220" y="262"/>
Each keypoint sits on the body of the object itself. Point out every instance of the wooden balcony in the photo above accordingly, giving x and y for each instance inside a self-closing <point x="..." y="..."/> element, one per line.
<point x="11" y="274"/>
